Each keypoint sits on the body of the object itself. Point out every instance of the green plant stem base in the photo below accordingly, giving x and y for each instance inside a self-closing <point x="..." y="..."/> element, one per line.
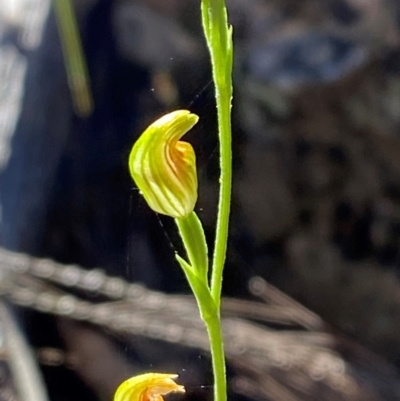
<point x="215" y="336"/>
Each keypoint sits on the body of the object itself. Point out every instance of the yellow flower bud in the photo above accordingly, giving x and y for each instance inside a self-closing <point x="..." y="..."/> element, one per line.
<point x="164" y="168"/>
<point x="148" y="387"/>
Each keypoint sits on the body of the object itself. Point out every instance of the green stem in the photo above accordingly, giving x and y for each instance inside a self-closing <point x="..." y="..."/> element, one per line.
<point x="214" y="331"/>
<point x="219" y="41"/>
<point x="221" y="237"/>
<point x="210" y="316"/>
<point x="194" y="241"/>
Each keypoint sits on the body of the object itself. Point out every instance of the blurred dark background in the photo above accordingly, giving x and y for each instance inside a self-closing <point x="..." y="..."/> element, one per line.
<point x="316" y="137"/>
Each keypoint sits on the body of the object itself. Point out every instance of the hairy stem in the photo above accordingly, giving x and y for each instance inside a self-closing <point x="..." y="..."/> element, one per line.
<point x="214" y="330"/>
<point x="219" y="41"/>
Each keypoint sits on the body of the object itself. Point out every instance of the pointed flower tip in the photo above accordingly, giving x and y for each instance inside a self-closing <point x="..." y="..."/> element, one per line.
<point x="183" y="120"/>
<point x="148" y="387"/>
<point x="164" y="168"/>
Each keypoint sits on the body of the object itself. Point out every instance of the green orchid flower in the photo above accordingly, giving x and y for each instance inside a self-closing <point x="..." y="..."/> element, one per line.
<point x="164" y="168"/>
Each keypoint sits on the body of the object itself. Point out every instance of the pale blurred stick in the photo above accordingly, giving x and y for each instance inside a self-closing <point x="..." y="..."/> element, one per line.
<point x="28" y="381"/>
<point x="75" y="63"/>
